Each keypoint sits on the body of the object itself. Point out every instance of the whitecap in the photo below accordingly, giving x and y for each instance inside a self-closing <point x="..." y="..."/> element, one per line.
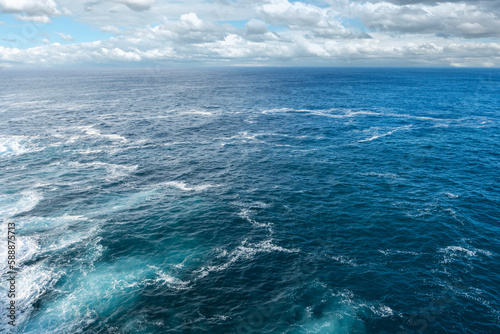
<point x="344" y="259"/>
<point x="16" y="145"/>
<point x="382" y="311"/>
<point x="163" y="278"/>
<point x="377" y="136"/>
<point x="245" y="214"/>
<point x="244" y="251"/>
<point x="457" y="253"/>
<point x="31" y="283"/>
<point x="381" y="175"/>
<point x="185" y="187"/>
<point x="196" y="112"/>
<point x="115" y="171"/>
<point x="388" y="252"/>
<point x="26" y="248"/>
<point x="91" y="131"/>
<point x="26" y="201"/>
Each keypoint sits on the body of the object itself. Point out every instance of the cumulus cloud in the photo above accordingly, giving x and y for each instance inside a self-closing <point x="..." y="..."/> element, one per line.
<point x="39" y="19"/>
<point x="323" y="22"/>
<point x="34" y="10"/>
<point x="66" y="37"/>
<point x="111" y="29"/>
<point x="338" y="32"/>
<point x="468" y="19"/>
<point x="255" y="27"/>
<point x="137" y="5"/>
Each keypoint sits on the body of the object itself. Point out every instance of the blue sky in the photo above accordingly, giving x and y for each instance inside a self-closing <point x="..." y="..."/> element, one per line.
<point x="262" y="32"/>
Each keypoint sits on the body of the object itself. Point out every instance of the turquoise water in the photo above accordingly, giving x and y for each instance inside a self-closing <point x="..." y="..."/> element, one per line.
<point x="252" y="200"/>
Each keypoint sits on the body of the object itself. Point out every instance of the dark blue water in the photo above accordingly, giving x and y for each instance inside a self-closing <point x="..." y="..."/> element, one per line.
<point x="252" y="200"/>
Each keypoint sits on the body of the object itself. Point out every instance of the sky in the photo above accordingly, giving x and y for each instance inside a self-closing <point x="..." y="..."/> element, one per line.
<point x="426" y="33"/>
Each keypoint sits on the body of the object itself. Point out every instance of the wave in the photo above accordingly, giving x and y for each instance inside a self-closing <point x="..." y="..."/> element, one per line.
<point x="382" y="175"/>
<point x="99" y="292"/>
<point x="16" y="145"/>
<point x="185" y="187"/>
<point x="26" y="201"/>
<point x="115" y="171"/>
<point x="32" y="283"/>
<point x="245" y="214"/>
<point x="459" y="253"/>
<point x="377" y="136"/>
<point x="332" y="112"/>
<point x="69" y="136"/>
<point x="92" y="132"/>
<point x="244" y="251"/>
<point x="344" y="260"/>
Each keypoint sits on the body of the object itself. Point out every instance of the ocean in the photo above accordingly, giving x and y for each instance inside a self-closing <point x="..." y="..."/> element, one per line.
<point x="251" y="200"/>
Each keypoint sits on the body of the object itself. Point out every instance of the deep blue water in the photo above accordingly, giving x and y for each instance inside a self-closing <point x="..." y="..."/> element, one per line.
<point x="252" y="200"/>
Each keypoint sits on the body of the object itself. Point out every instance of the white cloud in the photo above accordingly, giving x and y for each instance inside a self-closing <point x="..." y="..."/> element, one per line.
<point x="30" y="7"/>
<point x="469" y="20"/>
<point x="111" y="29"/>
<point x="256" y="27"/>
<point x="137" y="5"/>
<point x="66" y="37"/>
<point x="398" y="32"/>
<point x="39" y="19"/>
<point x="34" y="10"/>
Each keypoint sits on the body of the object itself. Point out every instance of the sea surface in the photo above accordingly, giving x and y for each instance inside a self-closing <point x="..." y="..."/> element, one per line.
<point x="251" y="200"/>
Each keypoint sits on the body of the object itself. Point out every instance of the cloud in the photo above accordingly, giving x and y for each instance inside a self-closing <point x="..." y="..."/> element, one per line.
<point x="30" y="7"/>
<point x="34" y="10"/>
<point x="39" y="19"/>
<point x="137" y="5"/>
<point x="275" y="32"/>
<point x="255" y="27"/>
<point x="467" y="19"/>
<point x="320" y="22"/>
<point x="65" y="36"/>
<point x="111" y="29"/>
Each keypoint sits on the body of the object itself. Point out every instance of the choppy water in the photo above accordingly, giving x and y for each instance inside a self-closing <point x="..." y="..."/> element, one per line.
<point x="252" y="200"/>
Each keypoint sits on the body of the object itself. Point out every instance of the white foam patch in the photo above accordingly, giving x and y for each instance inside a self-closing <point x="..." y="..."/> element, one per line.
<point x="344" y="260"/>
<point x="377" y="136"/>
<point x="342" y="320"/>
<point x="382" y="175"/>
<point x="125" y="202"/>
<point x="26" y="201"/>
<point x="458" y="253"/>
<point x="13" y="145"/>
<point x="92" y="132"/>
<point x="242" y="136"/>
<point x="185" y="187"/>
<point x="42" y="224"/>
<point x="244" y="251"/>
<point x="26" y="248"/>
<point x="245" y="214"/>
<point x="382" y="311"/>
<point x="332" y="113"/>
<point x="195" y="112"/>
<point x="389" y="252"/>
<point x="163" y="278"/>
<point x="31" y="283"/>
<point x="100" y="292"/>
<point x="66" y="240"/>
<point x="450" y="195"/>
<point x="115" y="171"/>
